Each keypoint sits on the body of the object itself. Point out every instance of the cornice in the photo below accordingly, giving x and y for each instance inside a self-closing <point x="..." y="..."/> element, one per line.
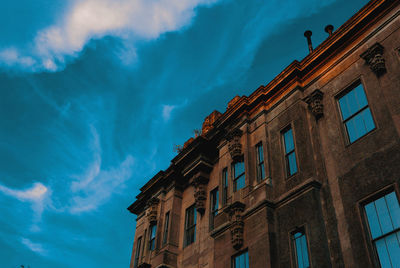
<point x="296" y="76"/>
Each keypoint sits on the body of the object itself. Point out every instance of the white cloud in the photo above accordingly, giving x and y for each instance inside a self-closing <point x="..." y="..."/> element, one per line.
<point x="35" y="247"/>
<point x="38" y="195"/>
<point x="35" y="193"/>
<point x="94" y="19"/>
<point x="166" y="111"/>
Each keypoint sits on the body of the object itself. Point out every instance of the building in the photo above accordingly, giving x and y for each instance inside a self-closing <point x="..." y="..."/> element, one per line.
<point x="304" y="172"/>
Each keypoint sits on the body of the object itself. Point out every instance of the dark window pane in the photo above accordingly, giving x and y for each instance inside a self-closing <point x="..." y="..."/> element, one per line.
<point x="394" y="209"/>
<point x="383" y="215"/>
<point x="241" y="261"/>
<point x="239" y="168"/>
<point x="190" y="226"/>
<point x="288" y="139"/>
<point x="299" y="254"/>
<point x="373" y="220"/>
<point x="383" y="254"/>
<point x="304" y="251"/>
<point x="292" y="163"/>
<point x="361" y="98"/>
<point x="301" y="250"/>
<point x="394" y="249"/>
<point x="344" y="108"/>
<point x="262" y="171"/>
<point x="351" y="130"/>
<point x="368" y="121"/>
<point x="352" y="102"/>
<point x="260" y="153"/>
<point x="240" y="183"/>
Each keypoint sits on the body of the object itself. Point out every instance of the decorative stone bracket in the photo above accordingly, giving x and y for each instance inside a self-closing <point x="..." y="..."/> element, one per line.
<point x="234" y="145"/>
<point x="152" y="205"/>
<point x="314" y="101"/>
<point x="235" y="211"/>
<point x="374" y="58"/>
<point x="200" y="191"/>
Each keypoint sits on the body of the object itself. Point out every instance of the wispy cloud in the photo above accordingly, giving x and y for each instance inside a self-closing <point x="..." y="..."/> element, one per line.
<point x="35" y="193"/>
<point x="35" y="247"/>
<point x="96" y="185"/>
<point x="38" y="195"/>
<point x="94" y="19"/>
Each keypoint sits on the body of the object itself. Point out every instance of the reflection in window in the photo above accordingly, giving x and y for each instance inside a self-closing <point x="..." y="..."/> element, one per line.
<point x="137" y="252"/>
<point x="290" y="155"/>
<point x="241" y="261"/>
<point x="356" y="114"/>
<point x="383" y="217"/>
<point x="238" y="174"/>
<point x="260" y="162"/>
<point x="190" y="226"/>
<point x="214" y="206"/>
<point x="301" y="249"/>
<point x="224" y="186"/>
<point x="152" y="241"/>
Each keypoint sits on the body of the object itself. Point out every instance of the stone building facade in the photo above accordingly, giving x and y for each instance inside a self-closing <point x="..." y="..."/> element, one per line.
<point x="304" y="172"/>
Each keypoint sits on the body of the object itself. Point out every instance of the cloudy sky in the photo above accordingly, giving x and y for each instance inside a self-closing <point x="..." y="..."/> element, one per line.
<point x="94" y="94"/>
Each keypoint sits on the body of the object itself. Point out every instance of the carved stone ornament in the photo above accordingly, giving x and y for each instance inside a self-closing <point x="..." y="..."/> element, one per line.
<point x="233" y="101"/>
<point x="237" y="224"/>
<point x="200" y="193"/>
<point x="152" y="205"/>
<point x="209" y="120"/>
<point x="314" y="101"/>
<point x="374" y="58"/>
<point x="144" y="265"/>
<point x="234" y="145"/>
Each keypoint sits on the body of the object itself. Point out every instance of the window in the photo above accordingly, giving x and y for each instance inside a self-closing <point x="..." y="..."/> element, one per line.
<point x="166" y="227"/>
<point x="224" y="186"/>
<point x="144" y="243"/>
<point x="383" y="216"/>
<point x="190" y="226"/>
<point x="356" y="114"/>
<point x="238" y="175"/>
<point x="260" y="162"/>
<point x="290" y="155"/>
<point x="214" y="206"/>
<point x="300" y="249"/>
<point x="137" y="252"/>
<point x="241" y="261"/>
<point x="152" y="240"/>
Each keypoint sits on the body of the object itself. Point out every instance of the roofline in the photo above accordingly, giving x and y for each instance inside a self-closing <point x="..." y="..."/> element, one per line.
<point x="297" y="75"/>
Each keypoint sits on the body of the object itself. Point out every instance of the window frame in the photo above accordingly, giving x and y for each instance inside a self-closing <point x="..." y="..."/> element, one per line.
<point x="286" y="154"/>
<point x="233" y="258"/>
<point x="186" y="241"/>
<point x="352" y="86"/>
<point x="372" y="248"/>
<point x="213" y="201"/>
<point x="293" y="245"/>
<point x="260" y="164"/>
<point x="137" y="252"/>
<point x="225" y="185"/>
<point x="166" y="227"/>
<point x="152" y="246"/>
<point x="235" y="178"/>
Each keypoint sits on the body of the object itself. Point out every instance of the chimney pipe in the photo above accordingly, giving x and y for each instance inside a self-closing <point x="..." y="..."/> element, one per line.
<point x="329" y="29"/>
<point x="308" y="34"/>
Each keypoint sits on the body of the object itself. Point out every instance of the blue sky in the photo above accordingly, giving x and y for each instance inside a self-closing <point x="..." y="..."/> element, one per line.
<point x="94" y="94"/>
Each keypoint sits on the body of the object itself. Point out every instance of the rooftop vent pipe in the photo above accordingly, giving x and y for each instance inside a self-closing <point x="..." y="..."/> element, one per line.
<point x="329" y="29"/>
<point x="308" y="34"/>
